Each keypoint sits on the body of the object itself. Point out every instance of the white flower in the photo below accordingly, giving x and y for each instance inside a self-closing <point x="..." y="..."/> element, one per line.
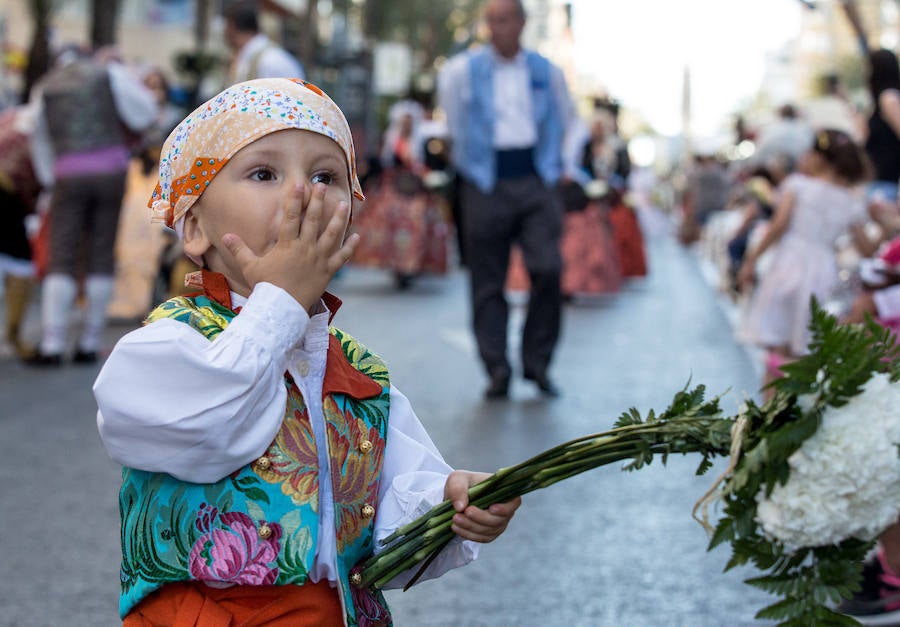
<point x="845" y="479"/>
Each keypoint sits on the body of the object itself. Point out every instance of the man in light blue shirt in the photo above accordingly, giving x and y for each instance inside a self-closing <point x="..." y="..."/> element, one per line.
<point x="507" y="111"/>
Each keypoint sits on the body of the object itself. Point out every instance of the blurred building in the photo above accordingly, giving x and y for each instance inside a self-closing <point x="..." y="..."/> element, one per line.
<point x="549" y="30"/>
<point x="163" y="33"/>
<point x="828" y="44"/>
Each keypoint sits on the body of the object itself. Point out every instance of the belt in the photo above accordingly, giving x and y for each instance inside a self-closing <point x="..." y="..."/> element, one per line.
<point x="515" y="163"/>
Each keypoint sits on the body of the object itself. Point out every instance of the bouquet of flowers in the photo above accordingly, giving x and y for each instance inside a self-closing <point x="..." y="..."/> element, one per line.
<point x="813" y="474"/>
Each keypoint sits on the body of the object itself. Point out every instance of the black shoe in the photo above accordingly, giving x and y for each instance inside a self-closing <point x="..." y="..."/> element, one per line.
<point x="545" y="385"/>
<point x="43" y="360"/>
<point x="403" y="281"/>
<point x="499" y="386"/>
<point x="84" y="357"/>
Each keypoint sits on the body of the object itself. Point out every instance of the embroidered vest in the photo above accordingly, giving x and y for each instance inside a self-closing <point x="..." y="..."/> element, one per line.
<point x="259" y="525"/>
<point x="475" y="155"/>
<point x="81" y="112"/>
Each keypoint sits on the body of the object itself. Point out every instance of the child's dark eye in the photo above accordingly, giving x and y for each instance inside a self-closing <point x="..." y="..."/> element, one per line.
<point x="262" y="174"/>
<point x="323" y="177"/>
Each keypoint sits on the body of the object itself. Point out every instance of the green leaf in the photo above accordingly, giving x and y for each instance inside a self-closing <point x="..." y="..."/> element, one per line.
<point x="781" y="610"/>
<point x="257" y="495"/>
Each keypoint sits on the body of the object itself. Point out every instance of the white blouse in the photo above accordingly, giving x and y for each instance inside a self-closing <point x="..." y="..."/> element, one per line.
<point x="172" y="401"/>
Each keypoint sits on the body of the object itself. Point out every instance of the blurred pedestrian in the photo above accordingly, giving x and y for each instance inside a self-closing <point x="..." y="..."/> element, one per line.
<point x="605" y="159"/>
<point x="90" y="110"/>
<point x="139" y="244"/>
<point x="507" y="110"/>
<point x="883" y="138"/>
<point x="814" y="207"/>
<point x="18" y="198"/>
<point x="755" y="199"/>
<point x="604" y="156"/>
<point x="168" y="113"/>
<point x="832" y="109"/>
<point x="404" y="222"/>
<point x="255" y="55"/>
<point x="596" y="169"/>
<point x="789" y="134"/>
<point x="706" y="193"/>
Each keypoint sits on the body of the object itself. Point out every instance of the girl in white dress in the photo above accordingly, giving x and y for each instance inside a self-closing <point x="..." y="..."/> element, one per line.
<point x="815" y="207"/>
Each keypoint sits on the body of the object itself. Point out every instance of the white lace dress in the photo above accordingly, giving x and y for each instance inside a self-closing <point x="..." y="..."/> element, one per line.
<point x="803" y="263"/>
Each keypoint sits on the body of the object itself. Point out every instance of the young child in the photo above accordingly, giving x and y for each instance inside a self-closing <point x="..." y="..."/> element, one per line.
<point x="265" y="453"/>
<point x="814" y="207"/>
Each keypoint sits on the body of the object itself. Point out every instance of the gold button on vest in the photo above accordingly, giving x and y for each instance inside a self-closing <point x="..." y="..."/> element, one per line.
<point x="368" y="511"/>
<point x="263" y="463"/>
<point x="265" y="531"/>
<point x="365" y="446"/>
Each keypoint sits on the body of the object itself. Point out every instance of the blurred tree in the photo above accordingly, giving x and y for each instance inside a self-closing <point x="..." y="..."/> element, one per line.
<point x="309" y="41"/>
<point x="432" y="28"/>
<point x="39" y="50"/>
<point x="104" y="18"/>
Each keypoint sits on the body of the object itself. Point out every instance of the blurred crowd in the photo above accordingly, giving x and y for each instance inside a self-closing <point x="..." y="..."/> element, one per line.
<point x="812" y="214"/>
<point x="80" y="160"/>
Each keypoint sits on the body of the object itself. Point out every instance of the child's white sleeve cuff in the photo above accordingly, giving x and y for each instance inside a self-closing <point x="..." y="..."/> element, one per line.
<point x="407" y="499"/>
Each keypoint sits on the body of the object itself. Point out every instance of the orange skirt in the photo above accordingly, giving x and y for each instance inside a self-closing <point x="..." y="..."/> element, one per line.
<point x="194" y="604"/>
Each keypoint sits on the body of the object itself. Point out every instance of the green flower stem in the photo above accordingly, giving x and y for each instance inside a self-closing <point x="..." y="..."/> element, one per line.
<point x="419" y="540"/>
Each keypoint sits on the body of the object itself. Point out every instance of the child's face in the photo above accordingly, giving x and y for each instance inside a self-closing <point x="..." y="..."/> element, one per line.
<point x="248" y="196"/>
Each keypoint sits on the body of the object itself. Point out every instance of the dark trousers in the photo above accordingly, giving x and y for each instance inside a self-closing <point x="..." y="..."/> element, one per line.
<point x="84" y="219"/>
<point x="526" y="212"/>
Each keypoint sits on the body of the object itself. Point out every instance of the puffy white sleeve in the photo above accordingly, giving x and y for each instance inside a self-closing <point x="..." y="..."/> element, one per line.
<point x="135" y="104"/>
<point x="170" y="400"/>
<point x="413" y="478"/>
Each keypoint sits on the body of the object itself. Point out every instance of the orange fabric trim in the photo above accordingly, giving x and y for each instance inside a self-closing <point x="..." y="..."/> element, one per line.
<point x="342" y="378"/>
<point x="333" y="303"/>
<point x="215" y="286"/>
<point x="203" y="171"/>
<point x="194" y="604"/>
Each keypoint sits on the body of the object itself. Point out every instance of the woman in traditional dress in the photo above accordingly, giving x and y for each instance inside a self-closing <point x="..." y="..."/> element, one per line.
<point x="590" y="255"/>
<point x="404" y="219"/>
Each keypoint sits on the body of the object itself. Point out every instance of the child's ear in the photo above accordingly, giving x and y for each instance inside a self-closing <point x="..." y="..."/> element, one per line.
<point x="196" y="242"/>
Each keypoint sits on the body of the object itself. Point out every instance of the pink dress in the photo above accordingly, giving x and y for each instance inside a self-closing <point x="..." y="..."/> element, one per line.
<point x="803" y="263"/>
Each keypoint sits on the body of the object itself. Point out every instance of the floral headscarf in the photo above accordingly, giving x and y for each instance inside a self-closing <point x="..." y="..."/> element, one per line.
<point x="205" y="140"/>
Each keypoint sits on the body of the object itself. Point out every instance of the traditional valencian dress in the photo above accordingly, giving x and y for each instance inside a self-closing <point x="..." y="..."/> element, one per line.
<point x="265" y="454"/>
<point x="405" y="226"/>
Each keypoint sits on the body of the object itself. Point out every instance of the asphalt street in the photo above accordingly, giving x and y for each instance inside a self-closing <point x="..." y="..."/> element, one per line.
<point x="605" y="548"/>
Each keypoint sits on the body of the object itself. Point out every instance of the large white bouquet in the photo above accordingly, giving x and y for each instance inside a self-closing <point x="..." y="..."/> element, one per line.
<point x="814" y="473"/>
<point x="845" y="478"/>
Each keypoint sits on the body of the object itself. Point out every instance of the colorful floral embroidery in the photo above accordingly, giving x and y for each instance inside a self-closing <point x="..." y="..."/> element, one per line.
<point x="293" y="458"/>
<point x="232" y="550"/>
<point x="361" y="358"/>
<point x="206" y="316"/>
<point x="352" y="472"/>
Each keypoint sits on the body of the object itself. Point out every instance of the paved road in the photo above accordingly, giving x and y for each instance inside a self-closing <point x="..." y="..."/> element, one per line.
<point x="601" y="549"/>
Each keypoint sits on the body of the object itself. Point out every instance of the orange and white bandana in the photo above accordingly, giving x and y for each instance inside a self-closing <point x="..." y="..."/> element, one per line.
<point x="215" y="131"/>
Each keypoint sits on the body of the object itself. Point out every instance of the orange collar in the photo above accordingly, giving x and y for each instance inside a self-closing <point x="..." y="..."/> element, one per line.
<point x="340" y="376"/>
